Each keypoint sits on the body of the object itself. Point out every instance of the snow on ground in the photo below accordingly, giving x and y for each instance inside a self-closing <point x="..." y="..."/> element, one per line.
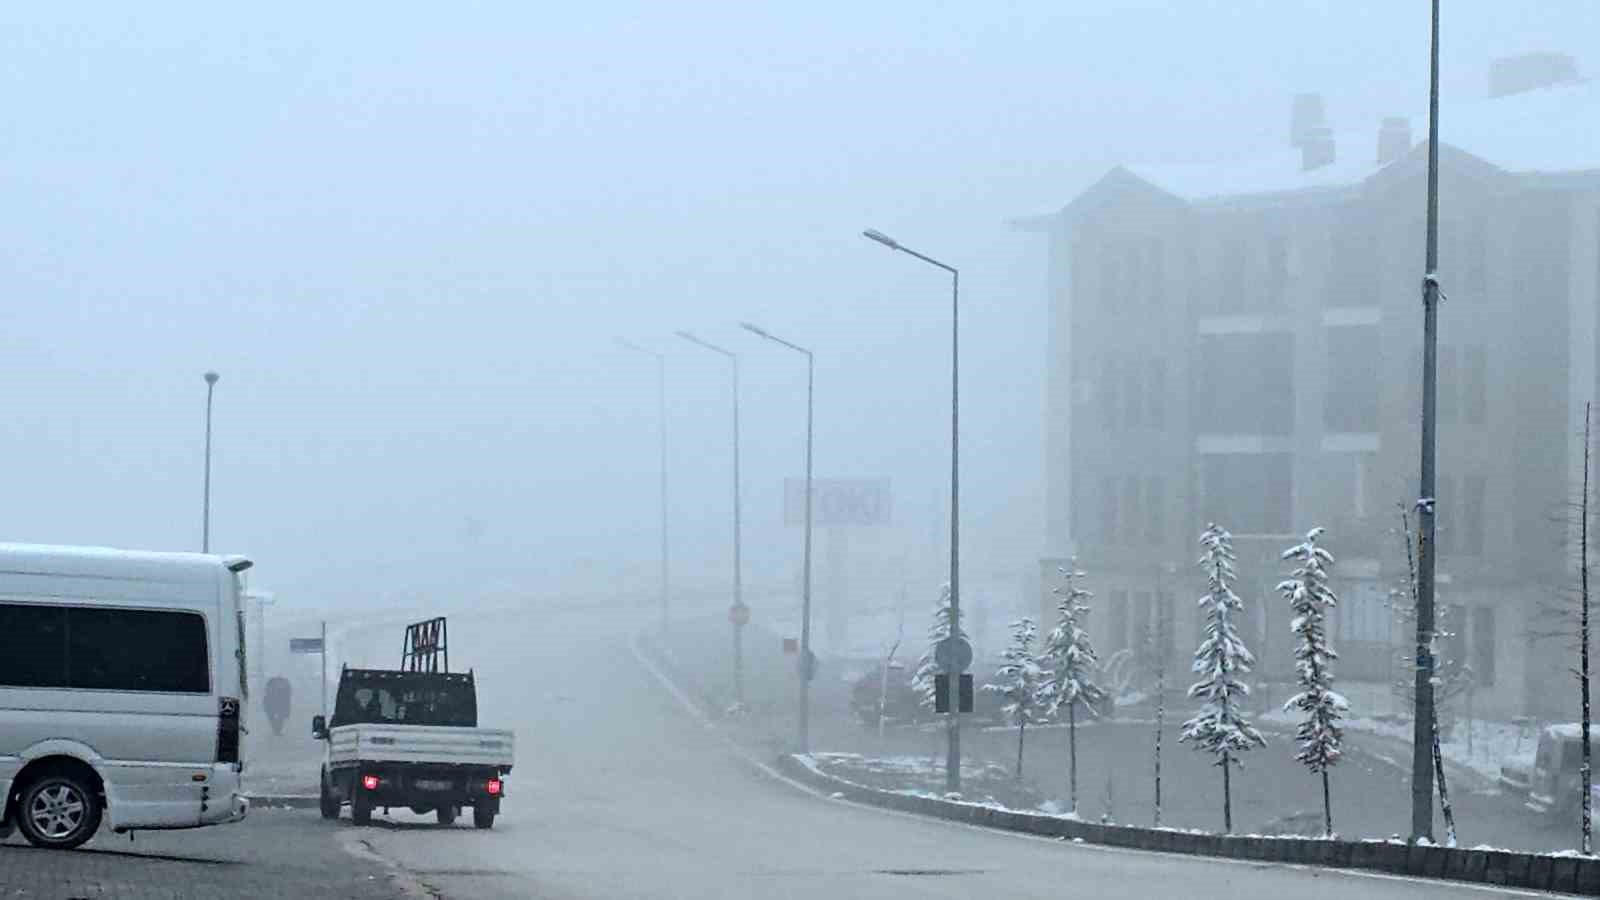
<point x="1480" y="746"/>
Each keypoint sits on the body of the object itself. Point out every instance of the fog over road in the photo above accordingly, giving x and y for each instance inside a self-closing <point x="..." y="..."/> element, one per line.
<point x="619" y="793"/>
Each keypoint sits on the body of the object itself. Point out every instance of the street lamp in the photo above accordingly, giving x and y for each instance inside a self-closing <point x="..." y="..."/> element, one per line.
<point x="738" y="577"/>
<point x="661" y="416"/>
<point x="205" y="515"/>
<point x="807" y="670"/>
<point x="953" y="759"/>
<point x="1423" y="723"/>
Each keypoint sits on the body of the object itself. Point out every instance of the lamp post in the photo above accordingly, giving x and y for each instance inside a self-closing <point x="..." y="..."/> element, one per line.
<point x="205" y="514"/>
<point x="806" y="667"/>
<point x="1422" y="736"/>
<point x="738" y="576"/>
<point x="953" y="758"/>
<point x="661" y="417"/>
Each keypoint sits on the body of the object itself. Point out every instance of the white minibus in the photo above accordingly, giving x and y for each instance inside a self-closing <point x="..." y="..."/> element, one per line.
<point x="122" y="682"/>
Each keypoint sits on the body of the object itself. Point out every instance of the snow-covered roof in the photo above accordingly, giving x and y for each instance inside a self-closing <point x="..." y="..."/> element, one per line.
<point x="1266" y="174"/>
<point x="1547" y="131"/>
<point x="1551" y="130"/>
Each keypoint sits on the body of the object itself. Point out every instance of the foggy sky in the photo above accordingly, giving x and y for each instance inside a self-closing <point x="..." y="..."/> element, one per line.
<point x="406" y="239"/>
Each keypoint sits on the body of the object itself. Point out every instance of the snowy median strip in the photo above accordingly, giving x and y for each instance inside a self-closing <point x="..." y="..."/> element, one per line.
<point x="1562" y="872"/>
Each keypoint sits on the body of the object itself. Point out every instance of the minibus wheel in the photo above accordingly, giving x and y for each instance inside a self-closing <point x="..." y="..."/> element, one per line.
<point x="58" y="810"/>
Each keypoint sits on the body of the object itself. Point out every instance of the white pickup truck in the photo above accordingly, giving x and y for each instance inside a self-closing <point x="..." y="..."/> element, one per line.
<point x="410" y="738"/>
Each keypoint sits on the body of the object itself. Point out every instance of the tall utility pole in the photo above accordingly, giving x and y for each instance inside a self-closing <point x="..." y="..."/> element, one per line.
<point x="1423" y="724"/>
<point x="661" y="421"/>
<point x="806" y="667"/>
<point x="738" y="565"/>
<point x="953" y="757"/>
<point x="205" y="515"/>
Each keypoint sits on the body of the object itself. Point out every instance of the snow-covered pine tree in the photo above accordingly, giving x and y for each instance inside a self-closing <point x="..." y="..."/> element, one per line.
<point x="1017" y="680"/>
<point x="1221" y="661"/>
<point x="1071" y="666"/>
<point x="1310" y="598"/>
<point x="927" y="667"/>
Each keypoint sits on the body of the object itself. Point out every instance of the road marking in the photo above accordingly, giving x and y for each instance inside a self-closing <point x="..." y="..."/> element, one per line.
<point x="699" y="714"/>
<point x="410" y="885"/>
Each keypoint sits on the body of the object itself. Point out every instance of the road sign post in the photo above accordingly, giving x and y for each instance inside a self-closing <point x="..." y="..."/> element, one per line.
<point x="739" y="617"/>
<point x="319" y="646"/>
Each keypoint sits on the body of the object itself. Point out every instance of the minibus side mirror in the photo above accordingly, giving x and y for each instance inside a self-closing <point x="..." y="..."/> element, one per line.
<point x="319" y="727"/>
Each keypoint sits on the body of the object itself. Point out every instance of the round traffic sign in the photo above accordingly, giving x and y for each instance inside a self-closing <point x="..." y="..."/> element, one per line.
<point x="953" y="654"/>
<point x="739" y="614"/>
<point x="808" y="665"/>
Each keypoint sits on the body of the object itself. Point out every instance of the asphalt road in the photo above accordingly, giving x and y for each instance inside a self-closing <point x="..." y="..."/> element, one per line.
<point x="619" y="794"/>
<point x="272" y="853"/>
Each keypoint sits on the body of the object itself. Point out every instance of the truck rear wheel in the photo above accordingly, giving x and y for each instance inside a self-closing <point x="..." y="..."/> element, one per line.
<point x="328" y="802"/>
<point x="447" y="814"/>
<point x="483" y="817"/>
<point x="360" y="806"/>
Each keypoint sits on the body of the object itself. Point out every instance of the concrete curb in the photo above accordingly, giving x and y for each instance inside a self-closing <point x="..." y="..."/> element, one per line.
<point x="1540" y="872"/>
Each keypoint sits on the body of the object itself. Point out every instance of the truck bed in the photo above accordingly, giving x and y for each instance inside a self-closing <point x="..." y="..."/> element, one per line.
<point x="422" y="744"/>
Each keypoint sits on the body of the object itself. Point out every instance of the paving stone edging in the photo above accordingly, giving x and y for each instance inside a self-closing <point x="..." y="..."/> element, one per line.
<point x="1566" y="874"/>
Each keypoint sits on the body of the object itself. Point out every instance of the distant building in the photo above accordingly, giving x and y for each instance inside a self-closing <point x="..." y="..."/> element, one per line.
<point x="1241" y="343"/>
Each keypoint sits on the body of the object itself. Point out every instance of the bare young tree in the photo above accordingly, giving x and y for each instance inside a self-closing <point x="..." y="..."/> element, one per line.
<point x="1160" y="625"/>
<point x="1583" y="638"/>
<point x="1449" y="684"/>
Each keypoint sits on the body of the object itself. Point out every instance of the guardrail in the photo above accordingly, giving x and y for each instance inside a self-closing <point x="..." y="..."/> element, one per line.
<point x="1543" y="872"/>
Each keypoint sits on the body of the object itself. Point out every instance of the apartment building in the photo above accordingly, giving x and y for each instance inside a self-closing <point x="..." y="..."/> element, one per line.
<point x="1241" y="343"/>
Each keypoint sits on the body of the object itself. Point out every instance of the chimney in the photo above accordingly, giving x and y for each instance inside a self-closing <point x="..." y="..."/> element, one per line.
<point x="1394" y="139"/>
<point x="1305" y="115"/>
<point x="1316" y="149"/>
<point x="1530" y="71"/>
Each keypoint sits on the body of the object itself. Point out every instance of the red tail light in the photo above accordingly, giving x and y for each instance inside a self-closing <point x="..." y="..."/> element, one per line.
<point x="370" y="782"/>
<point x="493" y="787"/>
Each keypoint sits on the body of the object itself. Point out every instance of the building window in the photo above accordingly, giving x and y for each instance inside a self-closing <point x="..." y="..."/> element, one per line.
<point x="1154" y="523"/>
<point x="1245" y="384"/>
<point x="1483" y="645"/>
<point x="1156" y="405"/>
<point x="1444" y="532"/>
<point x="1448" y="376"/>
<point x="1130" y="510"/>
<point x="1165" y="626"/>
<point x="1363" y="614"/>
<point x="1141" y="638"/>
<point x="1108" y="394"/>
<point x="1249" y="493"/>
<point x="1108" y="509"/>
<point x="1277" y="270"/>
<point x="1133" y="395"/>
<point x="1118" y="622"/>
<point x="1350" y="403"/>
<point x="1355" y="262"/>
<point x="1471" y="519"/>
<point x="1110" y="277"/>
<point x="1154" y="272"/>
<point x="1233" y="288"/>
<point x="1474" y="385"/>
